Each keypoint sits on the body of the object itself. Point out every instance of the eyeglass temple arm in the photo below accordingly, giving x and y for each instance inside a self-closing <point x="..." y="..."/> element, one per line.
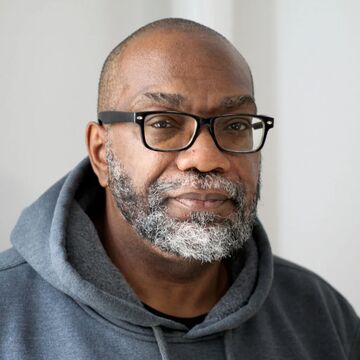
<point x="259" y="125"/>
<point x="110" y="117"/>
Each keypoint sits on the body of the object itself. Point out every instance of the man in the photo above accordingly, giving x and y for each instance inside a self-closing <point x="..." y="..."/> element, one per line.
<point x="151" y="249"/>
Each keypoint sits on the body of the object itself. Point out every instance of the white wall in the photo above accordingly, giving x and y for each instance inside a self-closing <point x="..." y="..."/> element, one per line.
<point x="304" y="57"/>
<point x="318" y="123"/>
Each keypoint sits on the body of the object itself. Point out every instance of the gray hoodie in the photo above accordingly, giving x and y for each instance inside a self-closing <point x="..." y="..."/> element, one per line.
<point x="62" y="298"/>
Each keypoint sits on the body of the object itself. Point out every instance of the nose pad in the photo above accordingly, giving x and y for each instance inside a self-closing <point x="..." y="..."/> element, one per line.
<point x="203" y="155"/>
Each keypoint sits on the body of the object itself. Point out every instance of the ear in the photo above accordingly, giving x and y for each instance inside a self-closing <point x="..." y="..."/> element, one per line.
<point x="96" y="146"/>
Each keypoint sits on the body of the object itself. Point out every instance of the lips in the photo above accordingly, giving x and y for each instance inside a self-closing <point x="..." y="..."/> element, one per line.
<point x="197" y="201"/>
<point x="203" y="196"/>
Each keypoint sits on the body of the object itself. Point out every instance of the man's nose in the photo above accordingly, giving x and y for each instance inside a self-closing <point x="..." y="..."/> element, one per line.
<point x="203" y="155"/>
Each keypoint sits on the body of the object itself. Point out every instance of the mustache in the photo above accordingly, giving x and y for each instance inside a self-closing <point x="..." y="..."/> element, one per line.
<point x="209" y="181"/>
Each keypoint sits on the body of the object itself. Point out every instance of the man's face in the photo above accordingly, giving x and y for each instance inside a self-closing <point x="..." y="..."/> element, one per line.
<point x="199" y="203"/>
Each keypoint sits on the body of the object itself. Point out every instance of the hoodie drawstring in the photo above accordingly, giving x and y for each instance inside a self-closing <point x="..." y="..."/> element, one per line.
<point x="228" y="342"/>
<point x="161" y="342"/>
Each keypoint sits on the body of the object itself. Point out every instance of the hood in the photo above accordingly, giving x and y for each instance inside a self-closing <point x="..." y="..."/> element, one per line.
<point x="59" y="241"/>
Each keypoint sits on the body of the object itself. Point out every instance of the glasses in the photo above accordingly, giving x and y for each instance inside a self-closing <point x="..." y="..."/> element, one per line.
<point x="175" y="131"/>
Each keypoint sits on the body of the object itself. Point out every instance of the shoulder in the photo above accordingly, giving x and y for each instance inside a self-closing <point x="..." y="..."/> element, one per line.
<point x="286" y="270"/>
<point x="293" y="276"/>
<point x="305" y="298"/>
<point x="15" y="274"/>
<point x="9" y="259"/>
<point x="23" y="292"/>
<point x="306" y="286"/>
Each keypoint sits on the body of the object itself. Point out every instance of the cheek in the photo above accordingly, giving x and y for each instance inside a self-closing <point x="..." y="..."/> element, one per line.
<point x="248" y="171"/>
<point x="143" y="166"/>
<point x="147" y="167"/>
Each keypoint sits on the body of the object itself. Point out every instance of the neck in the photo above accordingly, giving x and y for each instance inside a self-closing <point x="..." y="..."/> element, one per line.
<point x="167" y="283"/>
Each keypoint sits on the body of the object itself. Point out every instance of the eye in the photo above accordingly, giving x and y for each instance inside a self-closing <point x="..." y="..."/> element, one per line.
<point x="237" y="125"/>
<point x="163" y="122"/>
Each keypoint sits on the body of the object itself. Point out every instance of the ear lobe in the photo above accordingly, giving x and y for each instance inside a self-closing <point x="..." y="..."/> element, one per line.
<point x="96" y="146"/>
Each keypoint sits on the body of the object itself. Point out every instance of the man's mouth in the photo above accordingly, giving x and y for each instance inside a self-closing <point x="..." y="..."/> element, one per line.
<point x="201" y="201"/>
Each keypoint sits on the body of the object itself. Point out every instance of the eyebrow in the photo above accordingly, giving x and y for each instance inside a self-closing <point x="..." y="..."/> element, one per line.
<point x="231" y="102"/>
<point x="166" y="99"/>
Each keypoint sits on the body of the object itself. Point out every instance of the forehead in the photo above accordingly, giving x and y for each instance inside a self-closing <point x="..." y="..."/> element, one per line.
<point x="200" y="68"/>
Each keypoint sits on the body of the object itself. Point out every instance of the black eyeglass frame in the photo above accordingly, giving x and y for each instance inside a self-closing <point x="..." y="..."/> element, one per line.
<point x="112" y="117"/>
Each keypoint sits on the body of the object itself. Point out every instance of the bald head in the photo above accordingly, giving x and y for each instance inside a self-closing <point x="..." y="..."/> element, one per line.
<point x="170" y="38"/>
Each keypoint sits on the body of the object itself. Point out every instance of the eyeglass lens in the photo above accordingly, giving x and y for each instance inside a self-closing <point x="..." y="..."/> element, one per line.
<point x="176" y="131"/>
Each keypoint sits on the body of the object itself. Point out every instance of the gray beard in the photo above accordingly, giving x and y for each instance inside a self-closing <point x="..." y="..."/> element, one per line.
<point x="204" y="236"/>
